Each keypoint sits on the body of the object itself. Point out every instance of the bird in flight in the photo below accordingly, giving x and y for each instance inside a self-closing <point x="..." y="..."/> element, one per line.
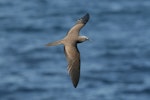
<point x="72" y="53"/>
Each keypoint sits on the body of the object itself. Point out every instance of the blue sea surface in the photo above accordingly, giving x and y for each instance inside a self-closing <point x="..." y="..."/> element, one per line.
<point x="115" y="63"/>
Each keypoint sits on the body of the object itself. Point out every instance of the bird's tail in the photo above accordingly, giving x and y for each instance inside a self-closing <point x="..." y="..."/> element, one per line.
<point x="54" y="43"/>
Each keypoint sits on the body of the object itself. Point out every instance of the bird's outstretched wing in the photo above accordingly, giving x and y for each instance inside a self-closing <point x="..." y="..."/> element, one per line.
<point x="74" y="31"/>
<point x="73" y="58"/>
<point x="54" y="43"/>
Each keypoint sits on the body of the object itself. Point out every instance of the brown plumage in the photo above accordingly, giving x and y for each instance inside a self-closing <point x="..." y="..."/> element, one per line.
<point x="71" y="50"/>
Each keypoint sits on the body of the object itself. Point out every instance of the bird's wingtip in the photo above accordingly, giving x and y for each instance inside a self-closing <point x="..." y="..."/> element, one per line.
<point x="87" y="14"/>
<point x="75" y="85"/>
<point x="85" y="18"/>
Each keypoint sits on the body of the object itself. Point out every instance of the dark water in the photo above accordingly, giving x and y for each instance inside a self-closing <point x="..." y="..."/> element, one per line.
<point x="115" y="63"/>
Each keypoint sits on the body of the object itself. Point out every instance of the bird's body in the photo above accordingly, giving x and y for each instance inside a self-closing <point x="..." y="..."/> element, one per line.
<point x="71" y="50"/>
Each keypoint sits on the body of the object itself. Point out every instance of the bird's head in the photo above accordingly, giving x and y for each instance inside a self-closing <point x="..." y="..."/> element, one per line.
<point x="82" y="39"/>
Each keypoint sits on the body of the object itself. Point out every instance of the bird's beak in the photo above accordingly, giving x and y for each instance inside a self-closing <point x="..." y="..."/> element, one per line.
<point x="89" y="39"/>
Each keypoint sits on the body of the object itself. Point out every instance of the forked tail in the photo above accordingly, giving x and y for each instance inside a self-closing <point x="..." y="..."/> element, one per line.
<point x="54" y="43"/>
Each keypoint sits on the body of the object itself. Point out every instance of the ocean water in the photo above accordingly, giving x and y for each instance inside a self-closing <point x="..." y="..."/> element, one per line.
<point x="115" y="63"/>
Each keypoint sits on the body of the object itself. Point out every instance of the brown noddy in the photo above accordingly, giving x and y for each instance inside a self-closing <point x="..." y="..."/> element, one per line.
<point x="72" y="53"/>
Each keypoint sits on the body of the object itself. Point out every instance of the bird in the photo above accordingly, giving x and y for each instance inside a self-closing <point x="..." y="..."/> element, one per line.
<point x="72" y="53"/>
